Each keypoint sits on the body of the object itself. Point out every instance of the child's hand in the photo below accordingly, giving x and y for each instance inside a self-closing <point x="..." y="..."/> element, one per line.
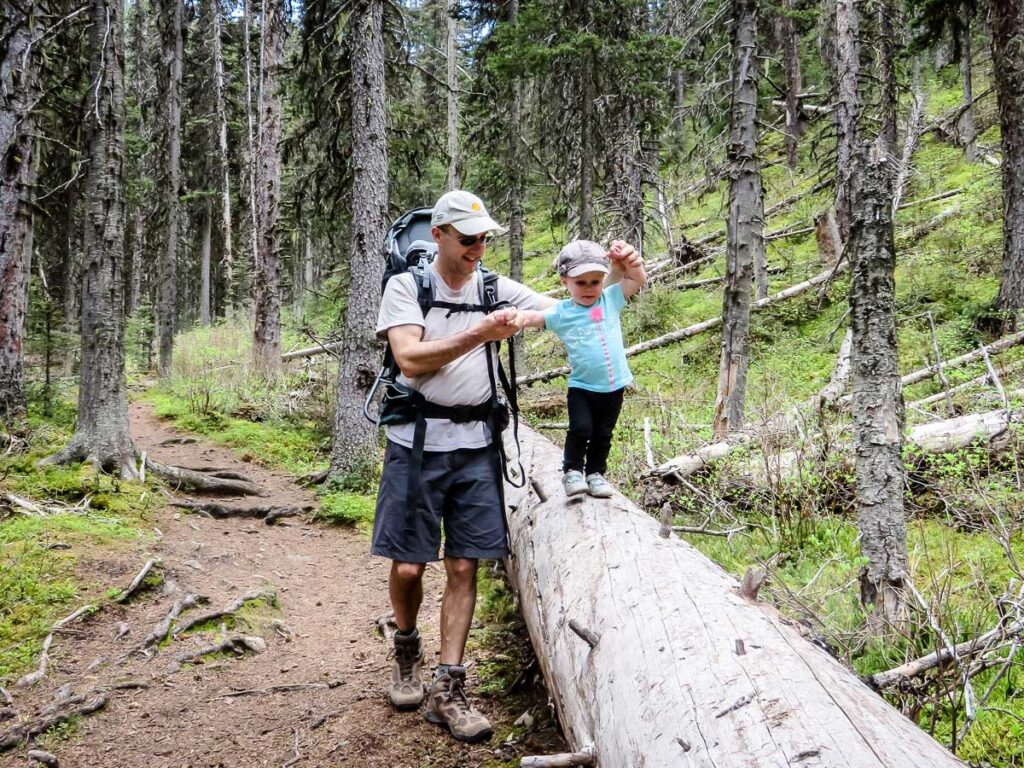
<point x="508" y="315"/>
<point x="624" y="253"/>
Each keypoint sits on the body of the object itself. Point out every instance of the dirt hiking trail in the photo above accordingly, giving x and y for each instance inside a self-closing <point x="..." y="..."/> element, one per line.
<point x="234" y="709"/>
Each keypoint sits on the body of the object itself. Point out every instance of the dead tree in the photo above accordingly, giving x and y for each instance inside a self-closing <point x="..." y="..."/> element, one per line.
<point x="101" y="432"/>
<point x="848" y="64"/>
<point x="171" y="13"/>
<point x="452" y="71"/>
<point x="217" y="53"/>
<point x="1006" y="27"/>
<point x="745" y="238"/>
<point x="266" y="335"/>
<point x="968" y="132"/>
<point x="877" y="396"/>
<point x="19" y="92"/>
<point x="653" y="656"/>
<point x="355" y="439"/>
<point x="791" y="64"/>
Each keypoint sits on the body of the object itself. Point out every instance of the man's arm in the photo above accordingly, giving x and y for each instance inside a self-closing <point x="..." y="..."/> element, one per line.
<point x="622" y="255"/>
<point x="416" y="357"/>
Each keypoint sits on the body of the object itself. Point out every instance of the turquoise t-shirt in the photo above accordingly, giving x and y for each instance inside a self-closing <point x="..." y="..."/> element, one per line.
<point x="593" y="339"/>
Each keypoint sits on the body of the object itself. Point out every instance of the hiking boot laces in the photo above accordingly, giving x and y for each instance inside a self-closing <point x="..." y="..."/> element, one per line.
<point x="457" y="692"/>
<point x="406" y="657"/>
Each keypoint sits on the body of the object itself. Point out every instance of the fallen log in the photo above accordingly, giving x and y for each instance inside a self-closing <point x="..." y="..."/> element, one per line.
<point x="663" y="683"/>
<point x="982" y="380"/>
<point x="692" y="330"/>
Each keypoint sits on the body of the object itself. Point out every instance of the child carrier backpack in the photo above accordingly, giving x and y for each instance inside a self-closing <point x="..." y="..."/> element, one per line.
<point x="410" y="247"/>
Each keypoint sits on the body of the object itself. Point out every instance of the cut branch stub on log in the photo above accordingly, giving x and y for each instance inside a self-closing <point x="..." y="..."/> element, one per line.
<point x="648" y="693"/>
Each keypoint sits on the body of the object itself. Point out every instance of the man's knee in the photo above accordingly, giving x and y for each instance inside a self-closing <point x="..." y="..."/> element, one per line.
<point x="460" y="569"/>
<point x="407" y="574"/>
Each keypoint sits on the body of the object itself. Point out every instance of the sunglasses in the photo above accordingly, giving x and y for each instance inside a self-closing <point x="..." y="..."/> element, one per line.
<point x="468" y="241"/>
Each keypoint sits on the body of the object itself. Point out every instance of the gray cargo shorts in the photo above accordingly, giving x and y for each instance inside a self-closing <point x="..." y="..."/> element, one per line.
<point x="458" y="489"/>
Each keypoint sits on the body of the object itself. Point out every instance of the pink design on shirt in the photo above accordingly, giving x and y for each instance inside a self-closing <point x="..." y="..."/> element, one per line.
<point x="596" y="313"/>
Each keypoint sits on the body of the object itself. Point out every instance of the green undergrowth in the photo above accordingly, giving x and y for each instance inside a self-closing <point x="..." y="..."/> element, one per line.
<point x="89" y="516"/>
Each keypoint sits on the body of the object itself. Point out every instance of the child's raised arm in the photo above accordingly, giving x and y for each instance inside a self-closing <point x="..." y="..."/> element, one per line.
<point x="629" y="261"/>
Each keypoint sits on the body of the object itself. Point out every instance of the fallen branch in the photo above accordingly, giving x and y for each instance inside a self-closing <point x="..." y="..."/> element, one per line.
<point x="22" y="504"/>
<point x="43" y="758"/>
<point x="237" y="644"/>
<point x="905" y="672"/>
<point x="200" y="481"/>
<point x="137" y="581"/>
<point x="263" y="593"/>
<point x="932" y="198"/>
<point x="386" y="625"/>
<point x="20" y="734"/>
<point x="331" y="684"/>
<point x="268" y="514"/>
<point x="562" y="760"/>
<point x="692" y="330"/>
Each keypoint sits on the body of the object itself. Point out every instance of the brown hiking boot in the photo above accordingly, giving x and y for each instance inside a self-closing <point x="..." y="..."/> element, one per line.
<point x="406" y="690"/>
<point x="447" y="705"/>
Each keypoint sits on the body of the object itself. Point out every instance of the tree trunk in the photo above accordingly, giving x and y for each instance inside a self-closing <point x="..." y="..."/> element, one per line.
<point x="885" y="16"/>
<point x="624" y="180"/>
<point x="72" y="274"/>
<point x="101" y="431"/>
<point x="848" y="66"/>
<point x="205" y="317"/>
<point x="745" y="236"/>
<point x="266" y="348"/>
<point x="587" y="155"/>
<point x="19" y="92"/>
<point x="1006" y="27"/>
<point x="968" y="133"/>
<point x="141" y="75"/>
<point x="355" y="447"/>
<point x="452" y="66"/>
<point x="222" y="146"/>
<point x="138" y="250"/>
<point x="791" y="62"/>
<point x="252" y="155"/>
<point x="167" y="314"/>
<point x="877" y="399"/>
<point x="517" y="164"/>
<point x="653" y="657"/>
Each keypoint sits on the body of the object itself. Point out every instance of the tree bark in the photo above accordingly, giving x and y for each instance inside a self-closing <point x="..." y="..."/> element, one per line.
<point x="885" y="16"/>
<point x="517" y="185"/>
<point x="222" y="146"/>
<point x="205" y="317"/>
<point x="266" y="348"/>
<point x="355" y="439"/>
<point x="653" y="657"/>
<point x="745" y="236"/>
<point x="1006" y="27"/>
<point x="452" y="71"/>
<point x="587" y="154"/>
<point x="101" y="430"/>
<point x="19" y="92"/>
<point x="624" y="179"/>
<point x="167" y="314"/>
<point x="251" y="159"/>
<point x="791" y="62"/>
<point x="877" y="399"/>
<point x="846" y="111"/>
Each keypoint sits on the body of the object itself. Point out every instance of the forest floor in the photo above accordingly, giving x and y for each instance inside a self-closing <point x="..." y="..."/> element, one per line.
<point x="229" y="711"/>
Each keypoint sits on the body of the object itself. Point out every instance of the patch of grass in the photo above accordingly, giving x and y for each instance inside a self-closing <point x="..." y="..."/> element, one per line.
<point x="345" y="508"/>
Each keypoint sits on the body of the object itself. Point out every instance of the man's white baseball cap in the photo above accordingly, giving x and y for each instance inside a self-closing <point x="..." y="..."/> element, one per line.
<point x="464" y="211"/>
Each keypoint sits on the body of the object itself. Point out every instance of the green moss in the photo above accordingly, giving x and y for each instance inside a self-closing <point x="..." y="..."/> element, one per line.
<point x="346" y="508"/>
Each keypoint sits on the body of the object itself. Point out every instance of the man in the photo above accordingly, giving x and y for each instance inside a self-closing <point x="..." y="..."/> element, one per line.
<point x="445" y="357"/>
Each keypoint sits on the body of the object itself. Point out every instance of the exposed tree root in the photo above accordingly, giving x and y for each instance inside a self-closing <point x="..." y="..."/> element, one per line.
<point x="237" y="644"/>
<point x="201" y="481"/>
<point x="256" y="594"/>
<point x="316" y="478"/>
<point x="137" y="581"/>
<point x="34" y="677"/>
<point x="51" y="717"/>
<point x="331" y="684"/>
<point x="43" y="758"/>
<point x="386" y="626"/>
<point x="178" y="441"/>
<point x="267" y="514"/>
<point x="162" y="629"/>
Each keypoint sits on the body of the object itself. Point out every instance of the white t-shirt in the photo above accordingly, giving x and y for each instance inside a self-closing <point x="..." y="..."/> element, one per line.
<point x="464" y="381"/>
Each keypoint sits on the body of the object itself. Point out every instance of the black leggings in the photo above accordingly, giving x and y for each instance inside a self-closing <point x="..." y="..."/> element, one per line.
<point x="592" y="417"/>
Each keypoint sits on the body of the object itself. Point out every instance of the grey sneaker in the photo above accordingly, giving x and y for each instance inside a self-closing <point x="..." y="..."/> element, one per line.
<point x="574" y="483"/>
<point x="406" y="691"/>
<point x="598" y="487"/>
<point x="448" y="706"/>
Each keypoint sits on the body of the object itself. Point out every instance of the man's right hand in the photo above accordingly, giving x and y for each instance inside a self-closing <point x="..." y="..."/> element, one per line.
<point x="500" y="325"/>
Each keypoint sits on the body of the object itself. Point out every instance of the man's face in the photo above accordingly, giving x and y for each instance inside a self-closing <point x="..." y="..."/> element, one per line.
<point x="457" y="252"/>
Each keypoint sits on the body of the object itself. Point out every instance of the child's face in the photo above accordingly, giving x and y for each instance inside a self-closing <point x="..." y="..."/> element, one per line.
<point x="585" y="289"/>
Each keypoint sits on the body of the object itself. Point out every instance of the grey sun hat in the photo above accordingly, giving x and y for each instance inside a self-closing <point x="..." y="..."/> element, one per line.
<point x="464" y="211"/>
<point x="580" y="257"/>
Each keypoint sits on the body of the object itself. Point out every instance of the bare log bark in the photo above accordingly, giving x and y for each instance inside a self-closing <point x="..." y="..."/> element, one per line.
<point x="784" y="697"/>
